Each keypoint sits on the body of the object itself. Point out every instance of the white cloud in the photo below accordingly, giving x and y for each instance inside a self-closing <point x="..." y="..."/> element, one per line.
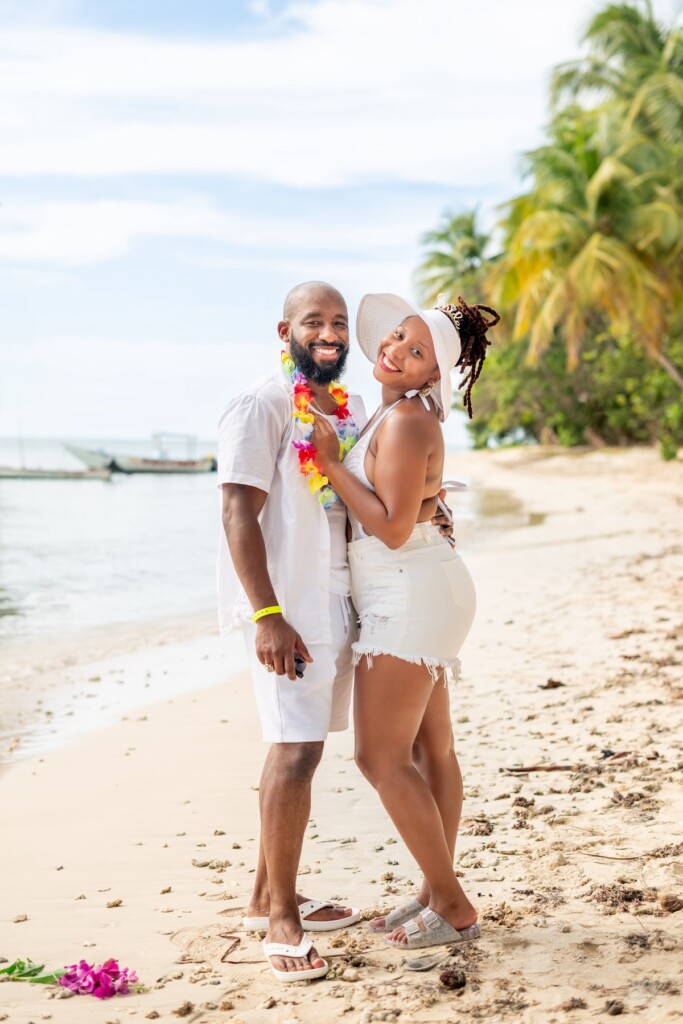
<point x="352" y="91"/>
<point x="73" y="233"/>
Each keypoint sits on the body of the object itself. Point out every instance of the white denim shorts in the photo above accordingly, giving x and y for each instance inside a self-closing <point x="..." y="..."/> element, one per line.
<point x="305" y="710"/>
<point x="416" y="602"/>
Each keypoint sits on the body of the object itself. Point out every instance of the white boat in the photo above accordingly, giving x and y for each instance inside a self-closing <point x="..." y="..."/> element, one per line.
<point x="24" y="473"/>
<point x="138" y="464"/>
<point x="122" y="463"/>
<point x="94" y="458"/>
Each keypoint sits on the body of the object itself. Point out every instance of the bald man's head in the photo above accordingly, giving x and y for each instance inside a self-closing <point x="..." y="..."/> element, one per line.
<point x="308" y="292"/>
<point x="315" y="329"/>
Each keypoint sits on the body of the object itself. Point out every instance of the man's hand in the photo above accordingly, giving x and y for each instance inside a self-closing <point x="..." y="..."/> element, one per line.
<point x="441" y="520"/>
<point x="277" y="643"/>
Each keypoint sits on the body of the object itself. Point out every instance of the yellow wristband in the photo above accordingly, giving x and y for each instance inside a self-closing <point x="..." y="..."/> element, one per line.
<point x="274" y="609"/>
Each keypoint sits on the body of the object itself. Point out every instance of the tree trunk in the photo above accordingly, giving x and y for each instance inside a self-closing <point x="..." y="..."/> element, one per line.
<point x="669" y="368"/>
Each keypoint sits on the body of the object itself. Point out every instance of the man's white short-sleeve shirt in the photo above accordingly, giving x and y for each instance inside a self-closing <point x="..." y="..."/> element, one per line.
<point x="254" y="448"/>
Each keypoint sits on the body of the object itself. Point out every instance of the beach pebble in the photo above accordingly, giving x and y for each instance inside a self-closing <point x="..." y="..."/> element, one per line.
<point x="452" y="978"/>
<point x="184" y="1010"/>
<point x="20" y="918"/>
<point x="114" y="903"/>
<point x="557" y="860"/>
<point x="166" y="888"/>
<point x="350" y="974"/>
<point x="269" y="1003"/>
<point x="614" y="1007"/>
<point x="670" y="903"/>
<point x="152" y="1015"/>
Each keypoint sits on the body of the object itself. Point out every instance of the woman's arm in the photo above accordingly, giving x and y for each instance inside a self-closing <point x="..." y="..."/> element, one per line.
<point x="404" y="446"/>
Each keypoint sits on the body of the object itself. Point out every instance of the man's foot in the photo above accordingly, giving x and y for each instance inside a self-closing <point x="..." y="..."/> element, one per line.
<point x="275" y="952"/>
<point x="288" y="951"/>
<point x="316" y="915"/>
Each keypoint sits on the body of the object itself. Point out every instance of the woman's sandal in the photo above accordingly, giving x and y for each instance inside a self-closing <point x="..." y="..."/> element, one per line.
<point x="302" y="950"/>
<point x="395" y="918"/>
<point x="438" y="932"/>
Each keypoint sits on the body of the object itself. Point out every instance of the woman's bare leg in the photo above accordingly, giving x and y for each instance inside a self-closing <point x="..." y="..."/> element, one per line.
<point x="435" y="759"/>
<point x="384" y="753"/>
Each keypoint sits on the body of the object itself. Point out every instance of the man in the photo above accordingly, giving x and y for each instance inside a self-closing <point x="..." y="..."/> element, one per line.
<point x="281" y="549"/>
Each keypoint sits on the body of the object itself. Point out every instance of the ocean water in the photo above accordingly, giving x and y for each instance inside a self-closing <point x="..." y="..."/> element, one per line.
<point x="77" y="554"/>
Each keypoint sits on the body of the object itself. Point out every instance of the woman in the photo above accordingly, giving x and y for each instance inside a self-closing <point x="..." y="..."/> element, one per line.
<point x="413" y="594"/>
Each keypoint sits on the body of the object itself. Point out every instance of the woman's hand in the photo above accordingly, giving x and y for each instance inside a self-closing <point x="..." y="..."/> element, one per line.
<point x="325" y="439"/>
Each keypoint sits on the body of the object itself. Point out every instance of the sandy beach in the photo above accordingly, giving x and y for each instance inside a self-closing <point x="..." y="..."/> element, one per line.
<point x="137" y="840"/>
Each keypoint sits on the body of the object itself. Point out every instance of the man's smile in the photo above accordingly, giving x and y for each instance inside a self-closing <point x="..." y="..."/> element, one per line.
<point x="327" y="351"/>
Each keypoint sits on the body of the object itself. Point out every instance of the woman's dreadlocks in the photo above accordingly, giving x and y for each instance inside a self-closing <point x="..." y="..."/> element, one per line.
<point x="472" y="326"/>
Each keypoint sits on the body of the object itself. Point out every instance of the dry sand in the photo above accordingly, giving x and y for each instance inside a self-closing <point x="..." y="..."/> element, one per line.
<point x="574" y="864"/>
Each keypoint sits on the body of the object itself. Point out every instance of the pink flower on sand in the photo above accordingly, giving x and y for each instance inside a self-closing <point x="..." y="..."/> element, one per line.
<point x="101" y="980"/>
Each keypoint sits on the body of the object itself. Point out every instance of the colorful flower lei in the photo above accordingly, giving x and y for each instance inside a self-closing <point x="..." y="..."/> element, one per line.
<point x="347" y="431"/>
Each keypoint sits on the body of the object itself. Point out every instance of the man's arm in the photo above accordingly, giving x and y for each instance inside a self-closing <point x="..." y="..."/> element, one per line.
<point x="276" y="641"/>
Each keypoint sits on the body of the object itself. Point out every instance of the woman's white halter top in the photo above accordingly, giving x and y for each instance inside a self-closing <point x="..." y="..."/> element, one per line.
<point x="355" y="463"/>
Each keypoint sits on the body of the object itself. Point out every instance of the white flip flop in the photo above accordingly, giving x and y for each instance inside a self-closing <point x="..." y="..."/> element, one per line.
<point x="303" y="949"/>
<point x="260" y="924"/>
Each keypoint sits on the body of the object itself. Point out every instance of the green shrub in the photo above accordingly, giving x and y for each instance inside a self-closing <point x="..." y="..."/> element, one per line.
<point x="616" y="396"/>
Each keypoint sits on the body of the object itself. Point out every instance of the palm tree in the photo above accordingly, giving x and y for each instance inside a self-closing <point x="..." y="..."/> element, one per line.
<point x="636" y="63"/>
<point x="595" y="242"/>
<point x="455" y="261"/>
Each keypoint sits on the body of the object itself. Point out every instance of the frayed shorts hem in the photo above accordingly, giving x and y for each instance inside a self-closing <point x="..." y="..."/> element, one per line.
<point x="435" y="666"/>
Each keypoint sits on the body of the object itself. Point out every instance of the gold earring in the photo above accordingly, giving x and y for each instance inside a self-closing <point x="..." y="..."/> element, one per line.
<point x="426" y="389"/>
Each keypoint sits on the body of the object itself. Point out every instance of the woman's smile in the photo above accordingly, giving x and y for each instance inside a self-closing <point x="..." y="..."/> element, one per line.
<point x="387" y="365"/>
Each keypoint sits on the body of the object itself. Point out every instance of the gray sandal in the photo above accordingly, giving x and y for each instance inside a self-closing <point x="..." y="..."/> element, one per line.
<point x="438" y="932"/>
<point x="395" y="918"/>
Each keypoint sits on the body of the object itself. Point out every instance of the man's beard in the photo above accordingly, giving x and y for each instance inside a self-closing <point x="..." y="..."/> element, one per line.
<point x="310" y="369"/>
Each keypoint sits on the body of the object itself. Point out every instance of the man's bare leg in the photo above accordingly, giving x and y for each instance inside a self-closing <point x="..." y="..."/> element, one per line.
<point x="259" y="904"/>
<point x="285" y="805"/>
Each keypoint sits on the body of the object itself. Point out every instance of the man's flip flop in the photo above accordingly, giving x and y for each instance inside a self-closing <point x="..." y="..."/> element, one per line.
<point x="260" y="924"/>
<point x="438" y="932"/>
<point x="395" y="918"/>
<point x="302" y="950"/>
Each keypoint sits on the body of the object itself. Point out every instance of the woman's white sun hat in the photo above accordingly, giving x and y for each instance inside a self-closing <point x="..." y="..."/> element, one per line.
<point x="378" y="315"/>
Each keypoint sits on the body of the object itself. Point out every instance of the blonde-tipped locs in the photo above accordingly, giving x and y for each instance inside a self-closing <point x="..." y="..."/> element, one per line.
<point x="472" y="326"/>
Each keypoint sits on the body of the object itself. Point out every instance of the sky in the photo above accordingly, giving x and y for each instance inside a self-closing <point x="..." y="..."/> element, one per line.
<point x="168" y="170"/>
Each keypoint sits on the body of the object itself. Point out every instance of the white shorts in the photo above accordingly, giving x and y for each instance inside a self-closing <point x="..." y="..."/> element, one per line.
<point x="305" y="710"/>
<point x="416" y="602"/>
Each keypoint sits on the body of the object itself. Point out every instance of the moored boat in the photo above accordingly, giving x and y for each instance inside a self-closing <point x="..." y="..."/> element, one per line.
<point x="137" y="464"/>
<point x="94" y="458"/>
<point x="98" y="458"/>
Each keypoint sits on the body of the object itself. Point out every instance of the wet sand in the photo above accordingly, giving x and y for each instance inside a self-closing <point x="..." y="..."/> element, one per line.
<point x="138" y="841"/>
